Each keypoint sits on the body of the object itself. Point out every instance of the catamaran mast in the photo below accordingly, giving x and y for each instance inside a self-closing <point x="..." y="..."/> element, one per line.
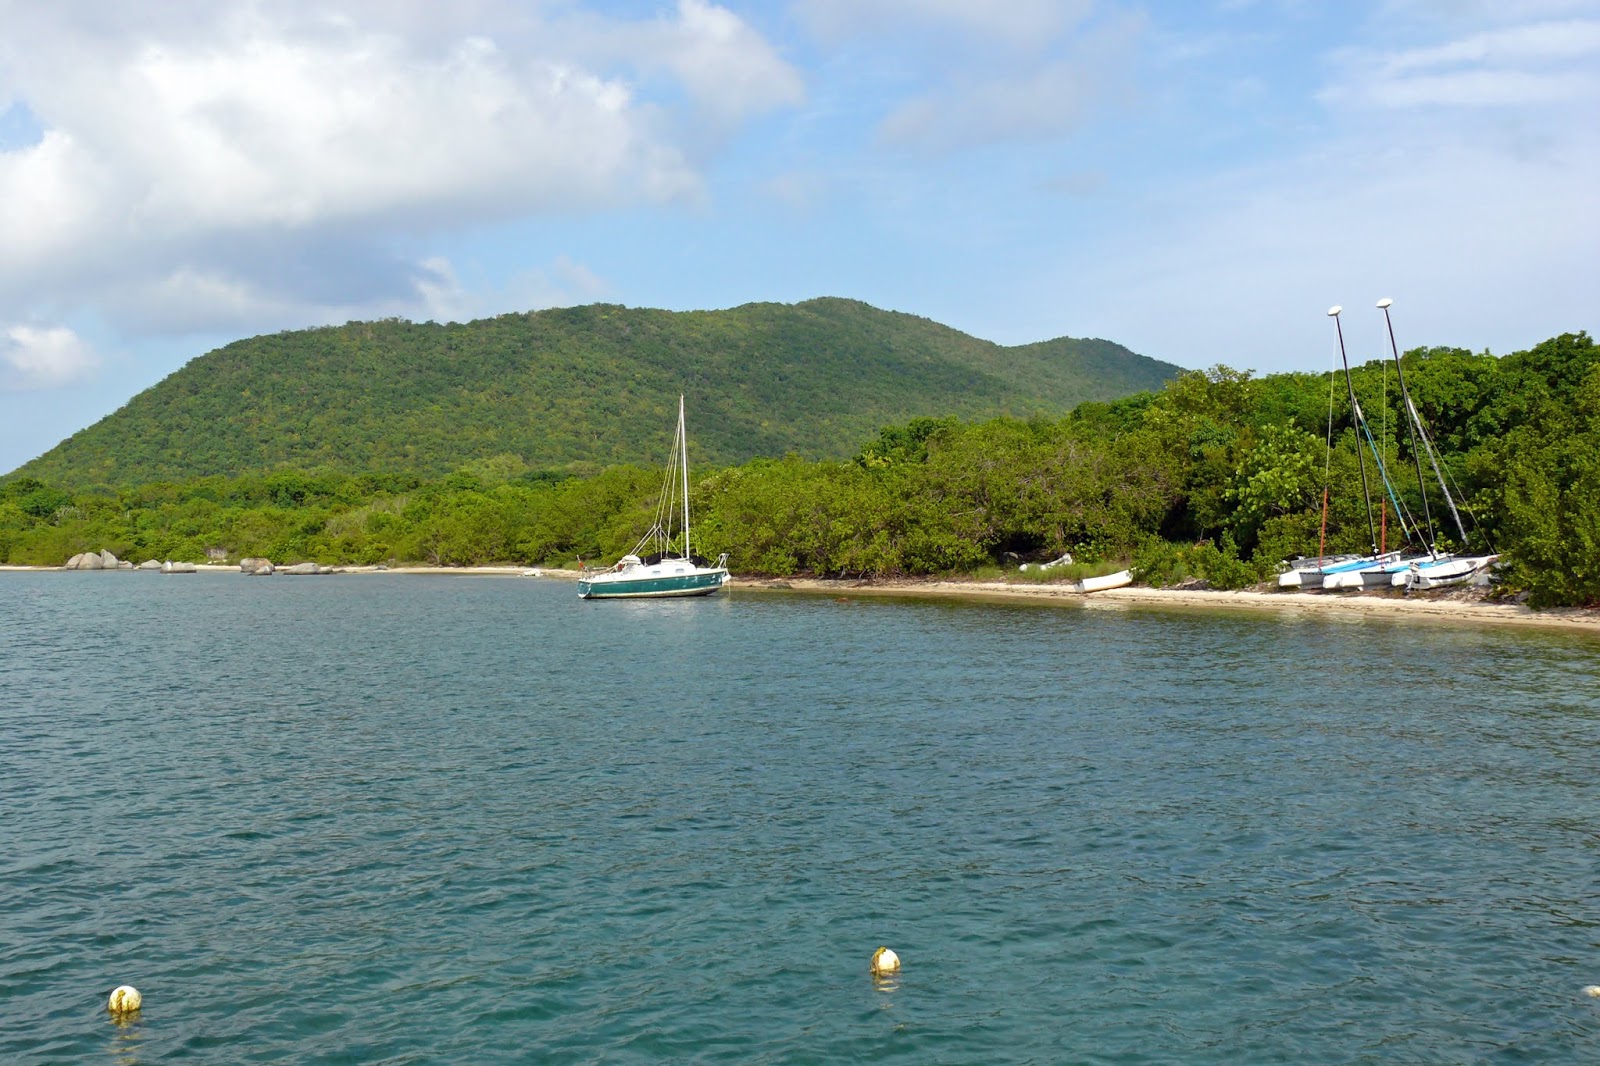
<point x="683" y="458"/>
<point x="1411" y="430"/>
<point x="1355" y="412"/>
<point x="1416" y="420"/>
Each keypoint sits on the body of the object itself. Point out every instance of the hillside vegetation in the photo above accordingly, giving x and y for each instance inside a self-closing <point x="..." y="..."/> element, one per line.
<point x="1218" y="476"/>
<point x="577" y="389"/>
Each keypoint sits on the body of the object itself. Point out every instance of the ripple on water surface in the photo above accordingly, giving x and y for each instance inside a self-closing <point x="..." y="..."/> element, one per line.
<point x="444" y="819"/>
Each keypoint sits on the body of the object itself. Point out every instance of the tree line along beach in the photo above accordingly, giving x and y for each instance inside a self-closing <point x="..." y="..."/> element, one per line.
<point x="1215" y="477"/>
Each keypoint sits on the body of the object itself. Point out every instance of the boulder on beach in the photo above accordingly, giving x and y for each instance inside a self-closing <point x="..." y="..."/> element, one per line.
<point x="263" y="568"/>
<point x="177" y="568"/>
<point x="72" y="563"/>
<point x="150" y="564"/>
<point x="91" y="561"/>
<point x="249" y="565"/>
<point x="301" y="569"/>
<point x="107" y="560"/>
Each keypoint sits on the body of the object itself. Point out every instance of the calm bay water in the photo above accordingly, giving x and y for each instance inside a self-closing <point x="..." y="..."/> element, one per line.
<point x="414" y="819"/>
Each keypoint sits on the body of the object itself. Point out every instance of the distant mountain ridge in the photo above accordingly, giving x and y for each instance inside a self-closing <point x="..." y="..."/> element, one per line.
<point x="577" y="387"/>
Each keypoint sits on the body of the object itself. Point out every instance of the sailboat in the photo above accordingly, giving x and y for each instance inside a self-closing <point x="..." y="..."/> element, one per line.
<point x="1431" y="570"/>
<point x="662" y="563"/>
<point x="1331" y="572"/>
<point x="1441" y="569"/>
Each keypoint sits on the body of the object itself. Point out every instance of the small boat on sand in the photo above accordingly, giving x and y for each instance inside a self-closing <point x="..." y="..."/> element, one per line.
<point x="1107" y="581"/>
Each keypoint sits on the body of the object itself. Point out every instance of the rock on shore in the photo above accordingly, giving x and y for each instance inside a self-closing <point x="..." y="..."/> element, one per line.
<point x="100" y="560"/>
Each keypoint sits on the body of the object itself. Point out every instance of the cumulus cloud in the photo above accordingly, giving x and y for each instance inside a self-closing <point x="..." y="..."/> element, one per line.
<point x="186" y="147"/>
<point x="256" y="129"/>
<point x="43" y="357"/>
<point x="724" y="65"/>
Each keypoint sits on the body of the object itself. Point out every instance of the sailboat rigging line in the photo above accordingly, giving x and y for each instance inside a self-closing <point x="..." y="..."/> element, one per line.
<point x="1383" y="475"/>
<point x="1466" y="505"/>
<point x="1433" y="459"/>
<point x="660" y="533"/>
<point x="1383" y="435"/>
<point x="1366" y="491"/>
<point x="683" y="458"/>
<point x="1412" y="426"/>
<point x="1327" y="471"/>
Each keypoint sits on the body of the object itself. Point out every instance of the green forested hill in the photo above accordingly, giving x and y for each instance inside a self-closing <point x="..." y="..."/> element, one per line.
<point x="578" y="388"/>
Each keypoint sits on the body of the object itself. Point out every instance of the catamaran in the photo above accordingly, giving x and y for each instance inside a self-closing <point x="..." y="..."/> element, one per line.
<point x="1431" y="570"/>
<point x="1325" y="573"/>
<point x="662" y="563"/>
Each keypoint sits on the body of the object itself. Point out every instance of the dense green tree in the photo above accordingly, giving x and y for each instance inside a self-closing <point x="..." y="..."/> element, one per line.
<point x="1218" y="476"/>
<point x="575" y="389"/>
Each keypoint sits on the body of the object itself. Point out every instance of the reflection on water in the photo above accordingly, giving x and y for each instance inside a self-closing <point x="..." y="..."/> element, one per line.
<point x="416" y="819"/>
<point x="126" y="1041"/>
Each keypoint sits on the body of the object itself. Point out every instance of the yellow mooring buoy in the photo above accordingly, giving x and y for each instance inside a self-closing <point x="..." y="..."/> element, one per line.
<point x="1592" y="990"/>
<point x="125" y="1000"/>
<point x="885" y="962"/>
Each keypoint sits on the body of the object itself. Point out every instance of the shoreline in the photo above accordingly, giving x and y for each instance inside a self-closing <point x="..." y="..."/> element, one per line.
<point x="1449" y="607"/>
<point x="227" y="568"/>
<point x="1441" y="609"/>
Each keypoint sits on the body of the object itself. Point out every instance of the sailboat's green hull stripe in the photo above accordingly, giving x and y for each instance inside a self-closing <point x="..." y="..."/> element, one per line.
<point x="684" y="585"/>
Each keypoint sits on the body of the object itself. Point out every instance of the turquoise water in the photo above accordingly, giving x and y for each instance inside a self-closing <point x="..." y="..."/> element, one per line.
<point x="414" y="819"/>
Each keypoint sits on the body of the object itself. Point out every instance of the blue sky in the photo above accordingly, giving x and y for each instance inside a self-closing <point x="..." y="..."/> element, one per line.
<point x="1196" y="180"/>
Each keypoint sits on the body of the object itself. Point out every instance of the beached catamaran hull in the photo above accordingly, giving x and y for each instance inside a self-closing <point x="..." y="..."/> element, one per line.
<point x="1295" y="570"/>
<point x="1330" y="577"/>
<point x="697" y="581"/>
<point x="1453" y="571"/>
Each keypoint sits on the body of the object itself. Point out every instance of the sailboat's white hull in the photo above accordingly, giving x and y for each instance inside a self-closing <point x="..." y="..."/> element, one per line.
<point x="669" y="577"/>
<point x="1446" y="573"/>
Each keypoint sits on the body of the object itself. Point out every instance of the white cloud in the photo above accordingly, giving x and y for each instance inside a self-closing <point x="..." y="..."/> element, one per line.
<point x="1537" y="42"/>
<point x="1480" y="88"/>
<point x="1028" y="23"/>
<point x="948" y="75"/>
<point x="726" y="66"/>
<point x="259" y="129"/>
<point x="1048" y="100"/>
<point x="1509" y="66"/>
<point x="1479" y="248"/>
<point x="1045" y="97"/>
<point x="179" y="139"/>
<point x="43" y="357"/>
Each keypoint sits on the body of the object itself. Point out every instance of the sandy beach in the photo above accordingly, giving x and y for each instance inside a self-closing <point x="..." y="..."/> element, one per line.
<point x="1451" y="606"/>
<point x="1458" y="606"/>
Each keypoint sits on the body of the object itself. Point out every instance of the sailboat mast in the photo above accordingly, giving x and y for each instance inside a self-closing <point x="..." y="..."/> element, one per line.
<point x="683" y="458"/>
<point x="1411" y="429"/>
<point x="1355" y="412"/>
<point x="1444" y="487"/>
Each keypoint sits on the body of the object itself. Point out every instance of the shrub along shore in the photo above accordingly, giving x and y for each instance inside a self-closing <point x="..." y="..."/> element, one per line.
<point x="1219" y="476"/>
